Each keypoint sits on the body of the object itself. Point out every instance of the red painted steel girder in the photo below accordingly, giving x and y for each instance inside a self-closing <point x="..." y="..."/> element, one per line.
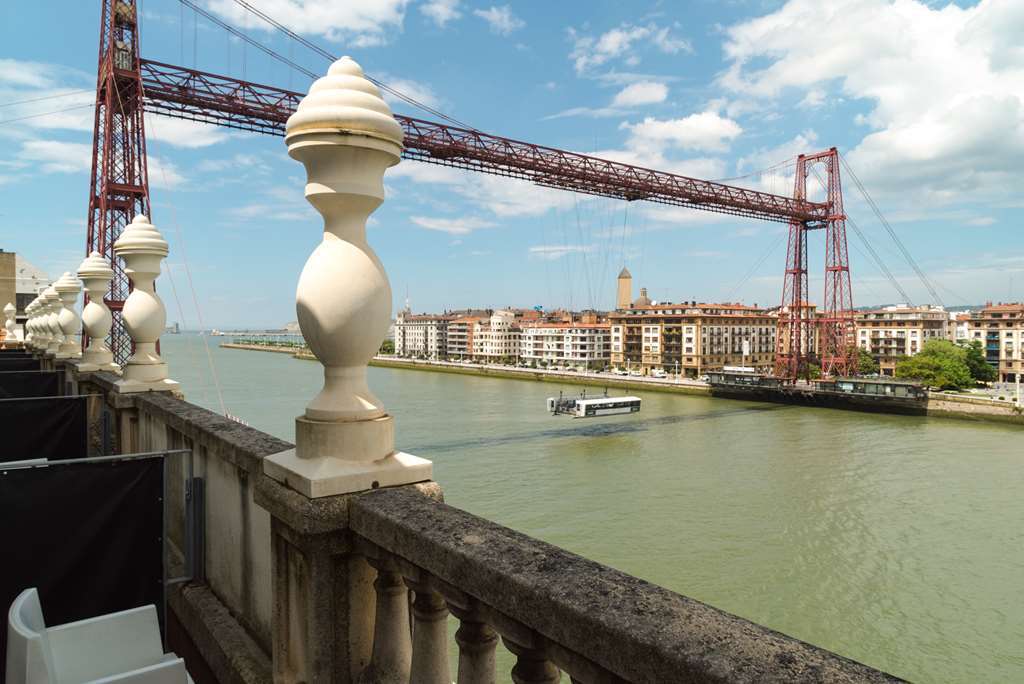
<point x="119" y="183"/>
<point x="201" y="96"/>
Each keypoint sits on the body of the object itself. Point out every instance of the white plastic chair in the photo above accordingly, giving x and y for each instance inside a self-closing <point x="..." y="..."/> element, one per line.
<point x="120" y="647"/>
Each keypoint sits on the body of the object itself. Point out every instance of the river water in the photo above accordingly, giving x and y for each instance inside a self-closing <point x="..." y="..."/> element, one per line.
<point x="897" y="541"/>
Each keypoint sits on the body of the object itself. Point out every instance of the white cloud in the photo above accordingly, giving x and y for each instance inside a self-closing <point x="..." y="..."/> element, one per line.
<point x="417" y="91"/>
<point x="642" y="93"/>
<point x="55" y="156"/>
<point x="500" y="19"/>
<point x="453" y="226"/>
<point x="280" y="211"/>
<point x="706" y="131"/>
<point x="163" y="174"/>
<point x="632" y="96"/>
<point x="239" y="162"/>
<point x="359" y="24"/>
<point x="58" y="156"/>
<point x="441" y="11"/>
<point x="503" y="197"/>
<point x="943" y="87"/>
<point x="552" y="252"/>
<point x="182" y="132"/>
<point x="981" y="221"/>
<point x="21" y="74"/>
<point x="592" y="51"/>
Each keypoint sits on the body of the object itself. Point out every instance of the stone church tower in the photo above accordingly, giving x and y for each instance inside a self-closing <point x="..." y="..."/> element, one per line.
<point x="625" y="293"/>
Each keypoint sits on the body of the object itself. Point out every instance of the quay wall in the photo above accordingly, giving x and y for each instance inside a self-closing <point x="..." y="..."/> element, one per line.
<point x="973" y="408"/>
<point x="939" y="404"/>
<point x="561" y="378"/>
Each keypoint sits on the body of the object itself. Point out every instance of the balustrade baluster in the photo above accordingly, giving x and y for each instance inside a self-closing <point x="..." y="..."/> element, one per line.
<point x="477" y="642"/>
<point x="532" y="665"/>
<point x="392" y="647"/>
<point x="429" y="636"/>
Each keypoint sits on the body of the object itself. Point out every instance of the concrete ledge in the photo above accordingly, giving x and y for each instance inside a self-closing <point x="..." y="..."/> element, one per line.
<point x="322" y="515"/>
<point x="245" y="446"/>
<point x="633" y="629"/>
<point x="232" y="656"/>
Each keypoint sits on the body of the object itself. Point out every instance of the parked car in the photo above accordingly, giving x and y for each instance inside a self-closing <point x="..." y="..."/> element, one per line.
<point x="658" y="373"/>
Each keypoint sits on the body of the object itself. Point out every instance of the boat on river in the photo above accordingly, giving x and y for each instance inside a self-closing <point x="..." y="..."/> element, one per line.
<point x="592" y="407"/>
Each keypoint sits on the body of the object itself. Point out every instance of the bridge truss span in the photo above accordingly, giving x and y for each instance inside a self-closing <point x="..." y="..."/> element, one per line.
<point x="201" y="96"/>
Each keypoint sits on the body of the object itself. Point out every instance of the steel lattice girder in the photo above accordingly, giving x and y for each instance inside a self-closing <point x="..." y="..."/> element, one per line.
<point x="201" y="96"/>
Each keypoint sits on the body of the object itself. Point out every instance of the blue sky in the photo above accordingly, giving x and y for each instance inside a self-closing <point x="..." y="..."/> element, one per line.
<point x="925" y="99"/>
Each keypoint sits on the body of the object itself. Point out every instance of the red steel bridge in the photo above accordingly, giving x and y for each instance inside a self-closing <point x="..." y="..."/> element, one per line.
<point x="128" y="85"/>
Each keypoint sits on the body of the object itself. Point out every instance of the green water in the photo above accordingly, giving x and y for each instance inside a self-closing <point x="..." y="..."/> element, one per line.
<point x="897" y="541"/>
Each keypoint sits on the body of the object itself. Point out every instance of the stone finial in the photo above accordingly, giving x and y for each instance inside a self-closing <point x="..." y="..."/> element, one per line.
<point x="39" y="341"/>
<point x="143" y="248"/>
<point x="96" y="275"/>
<point x="344" y="134"/>
<point x="9" y="322"/>
<point x="68" y="287"/>
<point x="30" y="313"/>
<point x="52" y="302"/>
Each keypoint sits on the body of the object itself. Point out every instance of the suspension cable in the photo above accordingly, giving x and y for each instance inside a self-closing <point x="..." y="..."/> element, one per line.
<point x="871" y="250"/>
<point x="251" y="41"/>
<point x="328" y="56"/>
<point x="892" y="233"/>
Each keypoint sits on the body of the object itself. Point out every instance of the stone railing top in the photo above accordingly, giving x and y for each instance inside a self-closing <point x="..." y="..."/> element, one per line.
<point x="95" y="266"/>
<point x="345" y="101"/>
<point x="140" y="237"/>
<point x="631" y="628"/>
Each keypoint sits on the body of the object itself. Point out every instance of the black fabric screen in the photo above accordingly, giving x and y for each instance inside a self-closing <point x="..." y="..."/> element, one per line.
<point x="29" y="384"/>
<point x="88" y="536"/>
<point x="48" y="427"/>
<point x="16" y="363"/>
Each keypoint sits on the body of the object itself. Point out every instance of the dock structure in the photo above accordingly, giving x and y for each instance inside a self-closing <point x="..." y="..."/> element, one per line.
<point x="335" y="559"/>
<point x="882" y="395"/>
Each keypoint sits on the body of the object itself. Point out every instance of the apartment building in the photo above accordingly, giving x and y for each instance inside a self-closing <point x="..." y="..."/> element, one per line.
<point x="1000" y="329"/>
<point x="578" y="344"/>
<point x="895" y="332"/>
<point x="460" y="337"/>
<point x="421" y="336"/>
<point x="497" y="338"/>
<point x="691" y="338"/>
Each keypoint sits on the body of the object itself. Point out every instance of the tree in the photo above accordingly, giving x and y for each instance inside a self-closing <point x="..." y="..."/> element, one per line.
<point x="940" y="364"/>
<point x="977" y="365"/>
<point x="387" y="347"/>
<point x="866" y="363"/>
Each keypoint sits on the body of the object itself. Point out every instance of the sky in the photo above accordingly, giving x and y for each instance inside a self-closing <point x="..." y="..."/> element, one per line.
<point x="925" y="101"/>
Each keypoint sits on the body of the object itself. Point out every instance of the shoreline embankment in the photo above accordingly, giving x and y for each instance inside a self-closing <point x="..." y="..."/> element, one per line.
<point x="940" y="405"/>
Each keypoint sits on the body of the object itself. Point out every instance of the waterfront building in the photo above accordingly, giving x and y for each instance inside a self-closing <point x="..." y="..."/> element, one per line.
<point x="1000" y="329"/>
<point x="892" y="333"/>
<point x="497" y="338"/>
<point x="959" y="329"/>
<point x="421" y="336"/>
<point x="579" y="344"/>
<point x="691" y="338"/>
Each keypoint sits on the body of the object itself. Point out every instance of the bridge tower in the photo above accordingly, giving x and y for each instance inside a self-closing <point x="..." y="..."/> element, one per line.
<point x="802" y="336"/>
<point x="119" y="187"/>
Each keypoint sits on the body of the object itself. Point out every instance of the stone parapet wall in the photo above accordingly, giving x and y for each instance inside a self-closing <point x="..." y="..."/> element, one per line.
<point x="228" y="457"/>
